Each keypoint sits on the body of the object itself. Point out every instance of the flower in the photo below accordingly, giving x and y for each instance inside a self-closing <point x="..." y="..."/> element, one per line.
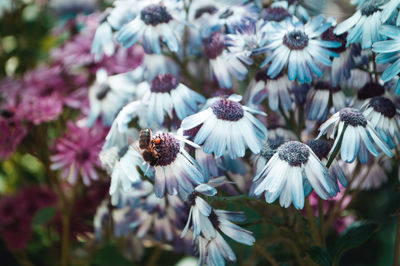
<point x="234" y="15"/>
<point x="276" y="13"/>
<point x="321" y="148"/>
<point x="389" y="52"/>
<point x="384" y="117"/>
<point x="77" y="152"/>
<point x="222" y="63"/>
<point x="301" y="8"/>
<point x="165" y="95"/>
<point x="110" y="93"/>
<point x="363" y="26"/>
<point x="154" y="19"/>
<point x="318" y="99"/>
<point x="296" y="46"/>
<point x="369" y="90"/>
<point x="174" y="168"/>
<point x="358" y="133"/>
<point x="276" y="89"/>
<point x="289" y="174"/>
<point x="226" y="125"/>
<point x="103" y="41"/>
<point x="389" y="10"/>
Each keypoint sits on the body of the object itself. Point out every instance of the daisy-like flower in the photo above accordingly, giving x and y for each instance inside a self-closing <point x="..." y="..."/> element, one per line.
<point x="342" y="65"/>
<point x="76" y="152"/>
<point x="110" y="93"/>
<point x="226" y="125"/>
<point x="234" y="15"/>
<point x="318" y="98"/>
<point x="174" y="168"/>
<point x="296" y="46"/>
<point x="384" y="117"/>
<point x="321" y="148"/>
<point x="154" y="20"/>
<point x="301" y="8"/>
<point x="103" y="40"/>
<point x="389" y="52"/>
<point x="390" y="10"/>
<point x="358" y="137"/>
<point x="276" y="13"/>
<point x="364" y="25"/>
<point x="165" y="95"/>
<point x="368" y="91"/>
<point x="277" y="90"/>
<point x="222" y="63"/>
<point x="289" y="172"/>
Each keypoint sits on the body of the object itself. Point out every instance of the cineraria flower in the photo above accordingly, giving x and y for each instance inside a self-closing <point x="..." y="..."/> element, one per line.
<point x="277" y="90"/>
<point x="384" y="117"/>
<point x="227" y="126"/>
<point x="235" y="15"/>
<point x="154" y="20"/>
<point x="110" y="93"/>
<point x="357" y="133"/>
<point x="165" y="95"/>
<point x="301" y="8"/>
<point x="174" y="168"/>
<point x="289" y="174"/>
<point x="321" y="148"/>
<point x="103" y="40"/>
<point x="122" y="13"/>
<point x="318" y="99"/>
<point x="296" y="46"/>
<point x="389" y="52"/>
<point x="364" y="25"/>
<point x="222" y="63"/>
<point x="342" y="65"/>
<point x="276" y="13"/>
<point x="12" y="132"/>
<point x="389" y="11"/>
<point x="76" y="152"/>
<point x="368" y="91"/>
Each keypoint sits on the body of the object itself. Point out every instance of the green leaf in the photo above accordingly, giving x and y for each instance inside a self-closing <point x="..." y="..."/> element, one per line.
<point x="354" y="235"/>
<point x="109" y="255"/>
<point x="320" y="256"/>
<point x="43" y="215"/>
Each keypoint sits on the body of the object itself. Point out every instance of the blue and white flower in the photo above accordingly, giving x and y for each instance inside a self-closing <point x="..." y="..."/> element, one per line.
<point x="384" y="117"/>
<point x="391" y="10"/>
<point x="166" y="96"/>
<point x="389" y="52"/>
<point x="226" y="125"/>
<point x="110" y="93"/>
<point x="289" y="173"/>
<point x="122" y="13"/>
<point x="364" y="25"/>
<point x="154" y="20"/>
<point x="301" y="8"/>
<point x="235" y="15"/>
<point x="358" y="137"/>
<point x="103" y="42"/>
<point x="276" y="13"/>
<point x="296" y="46"/>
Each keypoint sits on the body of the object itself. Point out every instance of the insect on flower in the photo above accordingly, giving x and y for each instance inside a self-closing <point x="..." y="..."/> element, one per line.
<point x="148" y="145"/>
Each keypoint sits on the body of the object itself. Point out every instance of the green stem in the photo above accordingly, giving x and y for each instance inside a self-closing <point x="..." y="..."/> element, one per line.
<point x="265" y="254"/>
<point x="321" y="221"/>
<point x="155" y="256"/>
<point x="397" y="244"/>
<point x="314" y="231"/>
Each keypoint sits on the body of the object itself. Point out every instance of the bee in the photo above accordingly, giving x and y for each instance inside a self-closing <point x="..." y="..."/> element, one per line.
<point x="148" y="146"/>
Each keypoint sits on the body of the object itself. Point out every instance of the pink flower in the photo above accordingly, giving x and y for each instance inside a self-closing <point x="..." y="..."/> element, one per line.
<point x="77" y="153"/>
<point x="12" y="132"/>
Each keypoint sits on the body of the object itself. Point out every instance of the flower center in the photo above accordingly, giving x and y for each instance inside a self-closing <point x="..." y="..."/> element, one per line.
<point x="82" y="155"/>
<point x="352" y="117"/>
<point x="214" y="45"/>
<point x="155" y="14"/>
<point x="293" y="152"/>
<point x="323" y="85"/>
<point x="262" y="75"/>
<point x="226" y="109"/>
<point x="277" y="14"/>
<point x="328" y="35"/>
<point x="267" y="152"/>
<point x="370" y="7"/>
<point x="163" y="83"/>
<point x="205" y="10"/>
<point x="6" y="113"/>
<point x="371" y="89"/>
<point x="320" y="147"/>
<point x="102" y="93"/>
<point x="384" y="106"/>
<point x="167" y="149"/>
<point x="295" y="40"/>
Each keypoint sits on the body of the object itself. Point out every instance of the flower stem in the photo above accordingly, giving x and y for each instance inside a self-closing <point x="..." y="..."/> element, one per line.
<point x="265" y="254"/>
<point x="321" y="221"/>
<point x="314" y="231"/>
<point x="397" y="244"/>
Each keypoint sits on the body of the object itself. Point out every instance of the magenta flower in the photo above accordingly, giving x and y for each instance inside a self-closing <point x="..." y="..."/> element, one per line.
<point x="76" y="153"/>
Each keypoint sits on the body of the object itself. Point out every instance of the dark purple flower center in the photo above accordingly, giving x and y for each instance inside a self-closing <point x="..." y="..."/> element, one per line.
<point x="214" y="45"/>
<point x="262" y="75"/>
<point x="102" y="93"/>
<point x="294" y="153"/>
<point x="371" y="89"/>
<point x="155" y="14"/>
<point x="323" y="85"/>
<point x="6" y="113"/>
<point x="167" y="149"/>
<point x="320" y="147"/>
<point x="192" y="198"/>
<point x="164" y="83"/>
<point x="226" y="109"/>
<point x="277" y="14"/>
<point x="370" y="7"/>
<point x="295" y="40"/>
<point x="328" y="35"/>
<point x="205" y="10"/>
<point x="82" y="155"/>
<point x="267" y="151"/>
<point x="352" y="117"/>
<point x="384" y="106"/>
